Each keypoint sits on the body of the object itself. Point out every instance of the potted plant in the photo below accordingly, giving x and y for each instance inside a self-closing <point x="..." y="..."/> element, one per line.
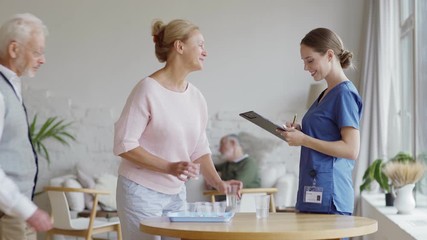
<point x="53" y="128"/>
<point x="403" y="173"/>
<point x="403" y="176"/>
<point x="375" y="173"/>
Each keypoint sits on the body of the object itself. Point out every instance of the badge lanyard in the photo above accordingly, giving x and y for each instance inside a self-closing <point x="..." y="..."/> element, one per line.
<point x="313" y="194"/>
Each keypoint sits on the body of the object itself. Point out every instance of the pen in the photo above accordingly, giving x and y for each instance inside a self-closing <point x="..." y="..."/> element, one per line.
<point x="295" y="118"/>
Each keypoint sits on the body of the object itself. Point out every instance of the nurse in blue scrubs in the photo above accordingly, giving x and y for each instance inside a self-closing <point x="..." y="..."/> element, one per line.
<point x="329" y="133"/>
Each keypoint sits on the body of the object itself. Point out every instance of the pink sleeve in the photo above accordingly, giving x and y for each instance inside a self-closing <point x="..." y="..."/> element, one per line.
<point x="132" y="122"/>
<point x="202" y="147"/>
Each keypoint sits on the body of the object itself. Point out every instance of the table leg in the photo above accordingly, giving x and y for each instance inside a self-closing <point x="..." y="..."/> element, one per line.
<point x="272" y="204"/>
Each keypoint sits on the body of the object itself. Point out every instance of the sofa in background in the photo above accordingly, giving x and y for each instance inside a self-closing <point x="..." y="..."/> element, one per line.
<point x="277" y="167"/>
<point x="79" y="201"/>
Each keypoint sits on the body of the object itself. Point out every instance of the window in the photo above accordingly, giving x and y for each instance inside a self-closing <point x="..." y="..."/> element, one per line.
<point x="420" y="92"/>
<point x="413" y="83"/>
<point x="407" y="80"/>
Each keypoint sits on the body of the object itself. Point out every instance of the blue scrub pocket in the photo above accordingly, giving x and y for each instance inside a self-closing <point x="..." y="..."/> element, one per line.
<point x="324" y="179"/>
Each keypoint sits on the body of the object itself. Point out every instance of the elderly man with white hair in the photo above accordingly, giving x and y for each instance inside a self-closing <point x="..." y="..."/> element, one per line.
<point x="22" y="43"/>
<point x="237" y="165"/>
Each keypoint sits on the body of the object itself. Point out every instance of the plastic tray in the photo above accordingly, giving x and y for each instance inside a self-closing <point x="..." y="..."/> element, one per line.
<point x="199" y="217"/>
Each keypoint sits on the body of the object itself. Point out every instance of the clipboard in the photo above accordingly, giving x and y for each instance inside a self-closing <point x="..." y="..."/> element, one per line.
<point x="263" y="122"/>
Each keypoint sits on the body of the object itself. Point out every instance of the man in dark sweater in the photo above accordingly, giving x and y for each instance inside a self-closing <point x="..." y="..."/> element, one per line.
<point x="238" y="165"/>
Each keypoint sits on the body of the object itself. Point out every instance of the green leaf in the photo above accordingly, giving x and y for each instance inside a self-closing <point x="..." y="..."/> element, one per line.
<point x="379" y="176"/>
<point x="374" y="172"/>
<point x="365" y="185"/>
<point x="52" y="128"/>
<point x="45" y="153"/>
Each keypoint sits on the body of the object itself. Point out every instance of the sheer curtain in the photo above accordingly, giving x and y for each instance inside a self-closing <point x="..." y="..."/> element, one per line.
<point x="379" y="69"/>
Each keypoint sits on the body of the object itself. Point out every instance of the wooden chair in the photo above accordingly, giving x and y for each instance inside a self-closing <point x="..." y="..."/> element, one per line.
<point x="63" y="224"/>
<point x="248" y="191"/>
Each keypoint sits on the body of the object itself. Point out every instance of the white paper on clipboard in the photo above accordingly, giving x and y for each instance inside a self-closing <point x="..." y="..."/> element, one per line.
<point x="263" y="122"/>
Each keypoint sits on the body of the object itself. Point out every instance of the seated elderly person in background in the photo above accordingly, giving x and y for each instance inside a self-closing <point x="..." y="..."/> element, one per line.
<point x="237" y="165"/>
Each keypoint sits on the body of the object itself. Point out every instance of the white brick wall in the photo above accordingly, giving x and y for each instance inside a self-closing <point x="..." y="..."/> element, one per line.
<point x="93" y="129"/>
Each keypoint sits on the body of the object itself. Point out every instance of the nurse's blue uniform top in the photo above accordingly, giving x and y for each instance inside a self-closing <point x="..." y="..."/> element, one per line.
<point x="341" y="107"/>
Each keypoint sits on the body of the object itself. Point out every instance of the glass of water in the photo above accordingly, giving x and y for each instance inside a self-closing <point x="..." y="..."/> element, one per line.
<point x="232" y="196"/>
<point x="262" y="206"/>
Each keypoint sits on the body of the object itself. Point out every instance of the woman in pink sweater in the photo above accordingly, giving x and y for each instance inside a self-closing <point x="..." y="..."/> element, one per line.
<point x="161" y="133"/>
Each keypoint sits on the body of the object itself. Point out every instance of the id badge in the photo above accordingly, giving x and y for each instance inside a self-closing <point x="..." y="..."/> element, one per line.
<point x="313" y="194"/>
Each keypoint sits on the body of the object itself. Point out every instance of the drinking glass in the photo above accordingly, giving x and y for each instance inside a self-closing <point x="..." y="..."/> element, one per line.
<point x="262" y="206"/>
<point x="232" y="197"/>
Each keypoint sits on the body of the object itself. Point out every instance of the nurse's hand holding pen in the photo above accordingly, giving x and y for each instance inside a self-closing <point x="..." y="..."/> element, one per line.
<point x="293" y="134"/>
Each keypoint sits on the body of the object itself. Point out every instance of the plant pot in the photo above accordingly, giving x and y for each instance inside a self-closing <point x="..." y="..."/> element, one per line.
<point x="405" y="201"/>
<point x="389" y="199"/>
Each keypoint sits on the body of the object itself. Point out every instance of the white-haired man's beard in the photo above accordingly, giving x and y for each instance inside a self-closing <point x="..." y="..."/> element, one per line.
<point x="228" y="155"/>
<point x="25" y="69"/>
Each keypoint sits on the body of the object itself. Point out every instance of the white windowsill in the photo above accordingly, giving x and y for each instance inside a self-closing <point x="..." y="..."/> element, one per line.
<point x="392" y="225"/>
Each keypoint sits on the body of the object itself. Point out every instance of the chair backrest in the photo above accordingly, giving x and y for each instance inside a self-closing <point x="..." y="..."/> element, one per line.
<point x="60" y="210"/>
